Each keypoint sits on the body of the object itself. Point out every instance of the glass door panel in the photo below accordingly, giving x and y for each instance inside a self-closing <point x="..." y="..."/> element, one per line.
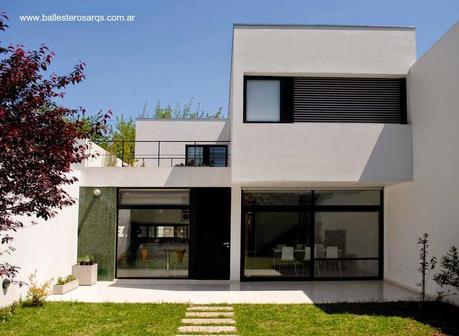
<point x="153" y="243"/>
<point x="277" y="244"/>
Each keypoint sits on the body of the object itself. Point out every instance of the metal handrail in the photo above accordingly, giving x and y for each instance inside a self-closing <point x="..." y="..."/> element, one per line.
<point x="120" y="155"/>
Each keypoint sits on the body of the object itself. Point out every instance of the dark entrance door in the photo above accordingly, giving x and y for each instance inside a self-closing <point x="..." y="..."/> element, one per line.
<point x="210" y="233"/>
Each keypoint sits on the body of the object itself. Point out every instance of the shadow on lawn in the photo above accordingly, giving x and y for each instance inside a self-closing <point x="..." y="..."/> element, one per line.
<point x="442" y="316"/>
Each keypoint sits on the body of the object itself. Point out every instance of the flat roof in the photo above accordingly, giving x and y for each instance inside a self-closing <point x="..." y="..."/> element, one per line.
<point x="320" y="26"/>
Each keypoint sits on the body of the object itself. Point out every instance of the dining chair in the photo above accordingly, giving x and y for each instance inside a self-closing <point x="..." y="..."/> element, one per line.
<point x="319" y="250"/>
<point x="288" y="257"/>
<point x="306" y="259"/>
<point x="179" y="256"/>
<point x="332" y="253"/>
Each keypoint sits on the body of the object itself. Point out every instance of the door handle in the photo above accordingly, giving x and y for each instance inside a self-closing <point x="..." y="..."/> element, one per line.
<point x="226" y="244"/>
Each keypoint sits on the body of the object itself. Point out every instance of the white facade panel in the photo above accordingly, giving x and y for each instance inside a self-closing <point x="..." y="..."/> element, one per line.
<point x="156" y="177"/>
<point x="430" y="203"/>
<point x="319" y="152"/>
<point x="322" y="152"/>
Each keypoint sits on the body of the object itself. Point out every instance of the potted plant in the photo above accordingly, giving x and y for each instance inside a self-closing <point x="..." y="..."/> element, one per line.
<point x="65" y="284"/>
<point x="85" y="271"/>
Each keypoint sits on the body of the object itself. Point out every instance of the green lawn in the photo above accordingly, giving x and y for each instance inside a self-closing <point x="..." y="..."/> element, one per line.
<point x="59" y="318"/>
<point x="347" y="319"/>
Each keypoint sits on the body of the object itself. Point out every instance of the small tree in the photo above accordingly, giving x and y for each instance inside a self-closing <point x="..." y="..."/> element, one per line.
<point x="449" y="273"/>
<point x="187" y="111"/>
<point x="37" y="139"/>
<point x="120" y="141"/>
<point x="425" y="265"/>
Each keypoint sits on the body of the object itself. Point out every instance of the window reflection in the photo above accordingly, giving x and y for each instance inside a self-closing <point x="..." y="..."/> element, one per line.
<point x="277" y="244"/>
<point x="286" y="236"/>
<point x="153" y="242"/>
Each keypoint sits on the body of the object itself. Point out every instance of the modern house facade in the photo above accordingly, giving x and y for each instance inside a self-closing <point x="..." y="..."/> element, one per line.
<point x="339" y="150"/>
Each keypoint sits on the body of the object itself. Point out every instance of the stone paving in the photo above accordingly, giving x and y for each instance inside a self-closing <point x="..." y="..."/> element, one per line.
<point x="209" y="321"/>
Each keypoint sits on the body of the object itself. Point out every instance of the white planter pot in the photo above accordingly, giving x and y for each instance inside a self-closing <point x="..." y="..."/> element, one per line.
<point x="65" y="288"/>
<point x="86" y="274"/>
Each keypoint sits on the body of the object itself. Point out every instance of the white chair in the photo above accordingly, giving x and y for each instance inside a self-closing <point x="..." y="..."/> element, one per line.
<point x="318" y="253"/>
<point x="306" y="259"/>
<point x="287" y="253"/>
<point x="332" y="253"/>
<point x="319" y="250"/>
<point x="288" y="257"/>
<point x="307" y="254"/>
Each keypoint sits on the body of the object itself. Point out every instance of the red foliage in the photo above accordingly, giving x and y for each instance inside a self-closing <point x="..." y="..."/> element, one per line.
<point x="37" y="138"/>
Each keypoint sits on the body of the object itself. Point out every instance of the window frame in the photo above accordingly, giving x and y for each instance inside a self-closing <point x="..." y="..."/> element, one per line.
<point x="157" y="206"/>
<point x="206" y="154"/>
<point x="286" y="99"/>
<point x="312" y="209"/>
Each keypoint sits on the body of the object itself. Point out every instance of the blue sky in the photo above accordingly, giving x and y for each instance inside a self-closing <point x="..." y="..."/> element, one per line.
<point x="177" y="50"/>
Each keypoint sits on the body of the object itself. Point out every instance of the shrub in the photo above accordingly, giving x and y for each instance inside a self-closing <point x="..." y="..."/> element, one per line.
<point x="37" y="293"/>
<point x="86" y="260"/>
<point x="64" y="280"/>
<point x="449" y="273"/>
<point x="425" y="265"/>
<point x="7" y="312"/>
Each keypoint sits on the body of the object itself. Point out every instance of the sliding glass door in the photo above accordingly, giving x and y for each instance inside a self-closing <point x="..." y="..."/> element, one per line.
<point x="277" y="230"/>
<point x="153" y="233"/>
<point x="312" y="234"/>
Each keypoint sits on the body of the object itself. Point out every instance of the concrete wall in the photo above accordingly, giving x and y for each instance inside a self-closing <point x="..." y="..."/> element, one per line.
<point x="315" y="154"/>
<point x="319" y="151"/>
<point x="323" y="51"/>
<point x="204" y="131"/>
<point x="430" y="203"/>
<point x="97" y="229"/>
<point x="102" y="157"/>
<point x="156" y="177"/>
<point x="50" y="247"/>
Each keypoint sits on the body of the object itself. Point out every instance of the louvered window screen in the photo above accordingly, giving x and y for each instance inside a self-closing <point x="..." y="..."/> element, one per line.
<point x="359" y="100"/>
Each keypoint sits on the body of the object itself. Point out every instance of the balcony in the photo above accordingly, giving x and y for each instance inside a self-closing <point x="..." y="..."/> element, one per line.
<point x="164" y="154"/>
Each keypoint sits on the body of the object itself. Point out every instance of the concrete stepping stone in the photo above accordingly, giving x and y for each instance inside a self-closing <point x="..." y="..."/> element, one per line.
<point x="205" y="321"/>
<point x="207" y="329"/>
<point x="209" y="308"/>
<point x="209" y="314"/>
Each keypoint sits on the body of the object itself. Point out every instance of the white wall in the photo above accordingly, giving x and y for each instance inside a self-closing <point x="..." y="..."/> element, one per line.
<point x="319" y="152"/>
<point x="102" y="158"/>
<point x="155" y="177"/>
<point x="50" y="247"/>
<point x="299" y="50"/>
<point x="430" y="203"/>
<point x="153" y="130"/>
<point x="314" y="154"/>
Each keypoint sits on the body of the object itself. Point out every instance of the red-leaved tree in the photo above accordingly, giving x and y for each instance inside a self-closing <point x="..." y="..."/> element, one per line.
<point x="37" y="139"/>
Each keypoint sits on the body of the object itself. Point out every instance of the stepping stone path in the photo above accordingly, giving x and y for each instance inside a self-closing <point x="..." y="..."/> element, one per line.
<point x="208" y="321"/>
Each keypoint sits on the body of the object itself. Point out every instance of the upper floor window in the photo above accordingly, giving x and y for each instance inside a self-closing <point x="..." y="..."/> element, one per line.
<point x="263" y="100"/>
<point x="206" y="155"/>
<point x="324" y="99"/>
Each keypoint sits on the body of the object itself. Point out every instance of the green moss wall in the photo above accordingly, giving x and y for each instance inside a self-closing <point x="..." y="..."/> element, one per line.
<point x="97" y="229"/>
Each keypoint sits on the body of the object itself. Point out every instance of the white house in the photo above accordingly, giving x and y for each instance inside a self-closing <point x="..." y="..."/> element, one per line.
<point x="340" y="149"/>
